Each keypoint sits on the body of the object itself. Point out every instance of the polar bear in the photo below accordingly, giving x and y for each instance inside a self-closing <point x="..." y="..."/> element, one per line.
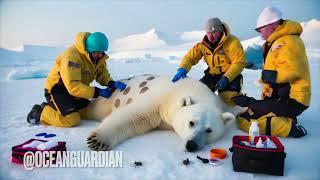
<point x="153" y="102"/>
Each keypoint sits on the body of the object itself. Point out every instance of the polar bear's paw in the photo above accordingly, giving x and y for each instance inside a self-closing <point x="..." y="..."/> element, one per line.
<point x="94" y="143"/>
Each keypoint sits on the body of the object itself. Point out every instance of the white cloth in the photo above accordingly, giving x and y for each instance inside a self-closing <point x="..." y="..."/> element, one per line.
<point x="33" y="144"/>
<point x="48" y="145"/>
<point x="246" y="143"/>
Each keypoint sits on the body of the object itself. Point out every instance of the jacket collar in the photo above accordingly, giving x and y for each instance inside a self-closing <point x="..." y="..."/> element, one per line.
<point x="288" y="27"/>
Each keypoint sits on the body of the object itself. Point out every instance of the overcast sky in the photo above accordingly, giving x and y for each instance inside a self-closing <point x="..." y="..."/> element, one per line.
<point x="55" y="23"/>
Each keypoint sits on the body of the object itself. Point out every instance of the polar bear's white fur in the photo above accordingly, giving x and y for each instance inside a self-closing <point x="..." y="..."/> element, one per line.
<point x="153" y="102"/>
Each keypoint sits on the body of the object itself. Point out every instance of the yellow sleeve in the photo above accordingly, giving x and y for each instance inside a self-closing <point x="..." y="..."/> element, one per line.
<point x="192" y="57"/>
<point x="288" y="63"/>
<point x="237" y="58"/>
<point x="70" y="72"/>
<point x="103" y="75"/>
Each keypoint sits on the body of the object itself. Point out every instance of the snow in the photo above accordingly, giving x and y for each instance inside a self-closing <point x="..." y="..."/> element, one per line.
<point x="146" y="40"/>
<point x="161" y="152"/>
<point x="192" y="35"/>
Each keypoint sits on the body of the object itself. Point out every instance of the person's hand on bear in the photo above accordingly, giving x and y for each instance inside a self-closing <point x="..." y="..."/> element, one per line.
<point x="181" y="73"/>
<point x="222" y="84"/>
<point x="117" y="85"/>
<point x="106" y="93"/>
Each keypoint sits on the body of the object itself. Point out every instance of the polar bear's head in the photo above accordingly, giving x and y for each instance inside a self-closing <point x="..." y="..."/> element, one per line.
<point x="199" y="123"/>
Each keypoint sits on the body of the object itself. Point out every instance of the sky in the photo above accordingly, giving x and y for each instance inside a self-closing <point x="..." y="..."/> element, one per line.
<point x="55" y="23"/>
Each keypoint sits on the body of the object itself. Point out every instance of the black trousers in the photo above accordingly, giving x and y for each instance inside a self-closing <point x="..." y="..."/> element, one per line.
<point x="59" y="98"/>
<point x="286" y="107"/>
<point x="211" y="82"/>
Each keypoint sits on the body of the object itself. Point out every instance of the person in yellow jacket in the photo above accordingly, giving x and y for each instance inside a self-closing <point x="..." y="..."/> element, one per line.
<point x="224" y="56"/>
<point x="67" y="88"/>
<point x="285" y="76"/>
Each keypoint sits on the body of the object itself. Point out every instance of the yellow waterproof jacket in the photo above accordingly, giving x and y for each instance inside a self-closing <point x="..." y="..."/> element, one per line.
<point x="226" y="58"/>
<point x="75" y="69"/>
<point x="285" y="53"/>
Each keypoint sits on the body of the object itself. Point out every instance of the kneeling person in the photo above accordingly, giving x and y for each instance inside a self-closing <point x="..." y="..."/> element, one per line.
<point x="224" y="56"/>
<point x="286" y="79"/>
<point x="67" y="88"/>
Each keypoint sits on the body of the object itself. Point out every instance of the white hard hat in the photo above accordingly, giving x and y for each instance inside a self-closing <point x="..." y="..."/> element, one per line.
<point x="268" y="15"/>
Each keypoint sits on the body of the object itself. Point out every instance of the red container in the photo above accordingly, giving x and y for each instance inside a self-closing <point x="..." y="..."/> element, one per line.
<point x="258" y="160"/>
<point x="18" y="152"/>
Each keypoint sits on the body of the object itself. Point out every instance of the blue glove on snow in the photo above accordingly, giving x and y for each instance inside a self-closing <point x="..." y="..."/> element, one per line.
<point x="222" y="84"/>
<point x="117" y="85"/>
<point x="181" y="73"/>
<point x="105" y="93"/>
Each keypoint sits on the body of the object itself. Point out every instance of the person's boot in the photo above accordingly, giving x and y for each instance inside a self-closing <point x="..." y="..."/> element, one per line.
<point x="297" y="131"/>
<point x="35" y="113"/>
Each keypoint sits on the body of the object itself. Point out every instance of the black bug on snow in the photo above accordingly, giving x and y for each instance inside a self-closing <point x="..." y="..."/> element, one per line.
<point x="186" y="162"/>
<point x="136" y="164"/>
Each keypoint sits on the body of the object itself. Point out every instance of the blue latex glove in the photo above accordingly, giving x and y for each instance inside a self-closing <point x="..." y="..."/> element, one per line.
<point x="120" y="85"/>
<point x="181" y="73"/>
<point x="117" y="85"/>
<point x="105" y="93"/>
<point x="222" y="84"/>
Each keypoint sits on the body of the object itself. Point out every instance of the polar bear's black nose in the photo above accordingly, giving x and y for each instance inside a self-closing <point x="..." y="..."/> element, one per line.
<point x="191" y="146"/>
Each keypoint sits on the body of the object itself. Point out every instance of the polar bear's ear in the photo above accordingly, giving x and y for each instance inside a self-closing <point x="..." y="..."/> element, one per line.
<point x="227" y="118"/>
<point x="185" y="101"/>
